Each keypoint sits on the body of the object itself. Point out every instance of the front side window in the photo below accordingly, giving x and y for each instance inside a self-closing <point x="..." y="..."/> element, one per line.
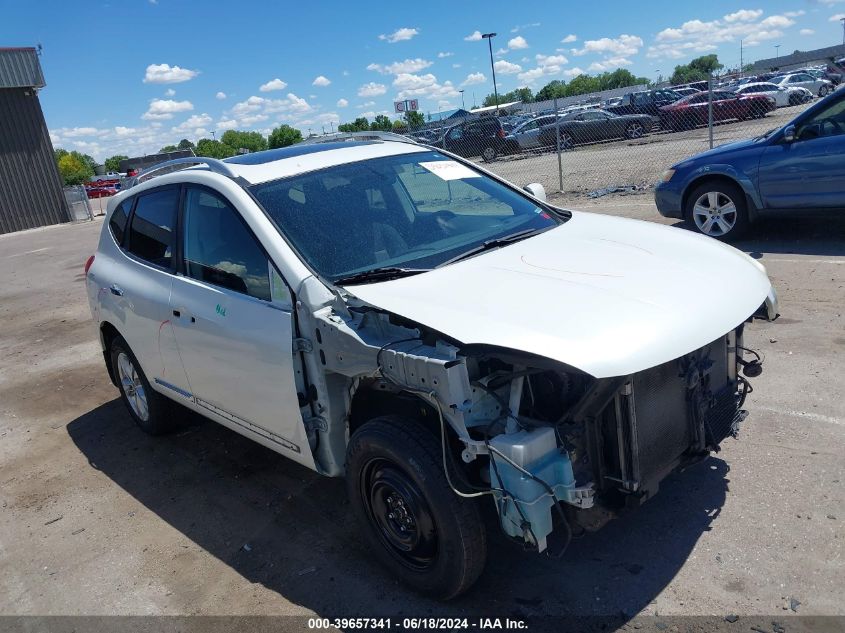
<point x="219" y="249"/>
<point x="829" y="121"/>
<point x="153" y="224"/>
<point x="415" y="210"/>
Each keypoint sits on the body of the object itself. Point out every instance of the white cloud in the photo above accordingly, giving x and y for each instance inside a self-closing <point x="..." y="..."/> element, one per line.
<point x="410" y="85"/>
<point x="622" y="45"/>
<point x="79" y="131"/>
<point x="321" y="81"/>
<point x="474" y="78"/>
<point x="506" y="68"/>
<point x="517" y="43"/>
<point x="807" y="32"/>
<point x="119" y="130"/>
<point x="546" y="65"/>
<point x="569" y="39"/>
<point x="501" y="52"/>
<point x="456" y="65"/>
<point x="796" y="14"/>
<point x="167" y="74"/>
<point x="836" y="17"/>
<point x="444" y="54"/>
<point x="342" y="103"/>
<point x="273" y="84"/>
<point x="520" y="27"/>
<point x="551" y="60"/>
<point x="611" y="63"/>
<point x="743" y="15"/>
<point x="829" y="2"/>
<point x="192" y="123"/>
<point x="697" y="36"/>
<point x="169" y="92"/>
<point x="226" y="124"/>
<point x="220" y="96"/>
<point x="407" y="66"/>
<point x="475" y="36"/>
<point x="162" y="109"/>
<point x="573" y="72"/>
<point x="399" y="35"/>
<point x="372" y="89"/>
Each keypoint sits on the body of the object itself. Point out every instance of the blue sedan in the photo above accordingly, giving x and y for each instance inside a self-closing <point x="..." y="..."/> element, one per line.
<point x="797" y="167"/>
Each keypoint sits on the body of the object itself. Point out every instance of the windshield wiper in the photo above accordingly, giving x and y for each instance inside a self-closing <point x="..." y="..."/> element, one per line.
<point x="496" y="242"/>
<point x="385" y="273"/>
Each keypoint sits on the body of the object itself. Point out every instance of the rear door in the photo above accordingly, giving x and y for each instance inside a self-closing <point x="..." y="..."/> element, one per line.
<point x="234" y="326"/>
<point x="137" y="291"/>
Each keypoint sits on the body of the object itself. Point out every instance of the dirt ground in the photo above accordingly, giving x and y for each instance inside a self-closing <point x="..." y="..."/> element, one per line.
<point x="98" y="518"/>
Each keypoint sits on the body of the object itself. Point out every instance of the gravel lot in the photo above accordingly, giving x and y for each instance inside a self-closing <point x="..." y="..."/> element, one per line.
<point x="98" y="518"/>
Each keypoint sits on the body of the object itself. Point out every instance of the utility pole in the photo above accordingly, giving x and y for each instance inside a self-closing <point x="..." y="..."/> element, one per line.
<point x="463" y="107"/>
<point x="843" y="31"/>
<point x="777" y="52"/>
<point x="741" y="67"/>
<point x="489" y="37"/>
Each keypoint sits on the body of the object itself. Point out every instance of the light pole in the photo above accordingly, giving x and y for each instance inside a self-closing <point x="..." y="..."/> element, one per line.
<point x="656" y="76"/>
<point x="777" y="52"/>
<point x="462" y="100"/>
<point x="843" y="31"/>
<point x="489" y="37"/>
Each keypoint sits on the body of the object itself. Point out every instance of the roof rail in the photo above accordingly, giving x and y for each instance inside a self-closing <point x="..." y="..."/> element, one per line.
<point x="213" y="164"/>
<point x="358" y="136"/>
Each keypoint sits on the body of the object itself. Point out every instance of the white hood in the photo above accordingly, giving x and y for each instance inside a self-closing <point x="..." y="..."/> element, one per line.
<point x="609" y="296"/>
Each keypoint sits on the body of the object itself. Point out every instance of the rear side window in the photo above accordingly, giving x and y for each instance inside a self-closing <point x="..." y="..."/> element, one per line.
<point x="219" y="249"/>
<point x="117" y="224"/>
<point x="151" y="232"/>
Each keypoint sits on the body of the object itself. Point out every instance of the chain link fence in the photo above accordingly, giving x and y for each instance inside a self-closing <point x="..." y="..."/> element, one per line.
<point x="77" y="202"/>
<point x="594" y="148"/>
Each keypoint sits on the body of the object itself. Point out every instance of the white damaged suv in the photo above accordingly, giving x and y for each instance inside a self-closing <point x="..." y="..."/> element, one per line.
<point x="390" y="313"/>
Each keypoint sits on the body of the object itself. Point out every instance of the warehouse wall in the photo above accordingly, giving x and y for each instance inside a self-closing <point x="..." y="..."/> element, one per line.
<point x="30" y="187"/>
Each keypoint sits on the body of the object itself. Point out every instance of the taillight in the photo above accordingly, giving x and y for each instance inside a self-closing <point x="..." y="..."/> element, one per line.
<point x="88" y="263"/>
<point x="500" y="133"/>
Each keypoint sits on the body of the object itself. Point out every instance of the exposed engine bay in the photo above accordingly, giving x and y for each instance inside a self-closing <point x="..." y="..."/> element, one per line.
<point x="558" y="450"/>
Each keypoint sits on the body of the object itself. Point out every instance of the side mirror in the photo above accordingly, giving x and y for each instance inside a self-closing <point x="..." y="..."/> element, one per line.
<point x="789" y="133"/>
<point x="537" y="190"/>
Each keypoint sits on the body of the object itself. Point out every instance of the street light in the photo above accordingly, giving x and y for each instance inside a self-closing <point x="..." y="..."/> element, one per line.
<point x="462" y="100"/>
<point x="489" y="37"/>
<point x="777" y="52"/>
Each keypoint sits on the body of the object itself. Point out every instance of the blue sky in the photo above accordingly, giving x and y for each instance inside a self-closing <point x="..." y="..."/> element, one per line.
<point x="130" y="76"/>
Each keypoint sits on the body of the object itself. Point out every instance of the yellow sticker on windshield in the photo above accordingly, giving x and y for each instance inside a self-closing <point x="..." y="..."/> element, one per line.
<point x="449" y="170"/>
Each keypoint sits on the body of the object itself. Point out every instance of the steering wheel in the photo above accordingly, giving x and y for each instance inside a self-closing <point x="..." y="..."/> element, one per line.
<point x="838" y="126"/>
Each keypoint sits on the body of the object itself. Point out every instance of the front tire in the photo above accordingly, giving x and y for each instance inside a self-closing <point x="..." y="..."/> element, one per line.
<point x="718" y="209"/>
<point x="634" y="131"/>
<point x="150" y="410"/>
<point x="824" y="90"/>
<point x="489" y="154"/>
<point x="428" y="536"/>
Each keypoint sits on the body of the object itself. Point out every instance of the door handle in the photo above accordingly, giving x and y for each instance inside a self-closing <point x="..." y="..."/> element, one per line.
<point x="178" y="315"/>
<point x="116" y="290"/>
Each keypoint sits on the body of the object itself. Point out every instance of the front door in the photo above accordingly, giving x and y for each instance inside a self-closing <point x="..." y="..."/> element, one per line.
<point x="234" y="326"/>
<point x="810" y="171"/>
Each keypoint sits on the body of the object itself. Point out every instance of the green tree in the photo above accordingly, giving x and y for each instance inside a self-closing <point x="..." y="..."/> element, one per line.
<point x="381" y="122"/>
<point x="283" y="136"/>
<point x="252" y="141"/>
<point x="73" y="168"/>
<point x="520" y="94"/>
<point x="168" y="148"/>
<point x="697" y="70"/>
<point x="414" y="119"/>
<point x="555" y="88"/>
<point x="211" y="148"/>
<point x="113" y="162"/>
<point x="400" y="126"/>
<point x="581" y="85"/>
<point x="186" y="144"/>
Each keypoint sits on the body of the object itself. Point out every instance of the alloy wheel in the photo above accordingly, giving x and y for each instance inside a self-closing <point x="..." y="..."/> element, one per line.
<point x="488" y="154"/>
<point x="133" y="386"/>
<point x="714" y="214"/>
<point x="635" y="130"/>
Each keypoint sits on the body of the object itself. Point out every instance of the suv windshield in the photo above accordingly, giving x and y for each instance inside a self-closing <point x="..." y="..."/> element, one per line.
<point x="415" y="210"/>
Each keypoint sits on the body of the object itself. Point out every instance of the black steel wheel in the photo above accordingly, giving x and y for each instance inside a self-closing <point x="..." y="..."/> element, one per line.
<point x="417" y="527"/>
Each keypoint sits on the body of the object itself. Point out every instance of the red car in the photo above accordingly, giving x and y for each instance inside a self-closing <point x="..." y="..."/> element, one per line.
<point x="691" y="111"/>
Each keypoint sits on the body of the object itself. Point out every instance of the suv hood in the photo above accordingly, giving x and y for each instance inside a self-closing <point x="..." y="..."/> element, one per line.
<point x="722" y="150"/>
<point x="609" y="296"/>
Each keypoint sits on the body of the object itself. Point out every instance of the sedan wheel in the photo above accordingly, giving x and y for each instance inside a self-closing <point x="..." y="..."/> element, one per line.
<point x="718" y="209"/>
<point x="489" y="154"/>
<point x="634" y="130"/>
<point x="566" y="141"/>
<point x="824" y="90"/>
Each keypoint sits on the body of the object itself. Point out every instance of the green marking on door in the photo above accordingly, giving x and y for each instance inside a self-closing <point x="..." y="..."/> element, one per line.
<point x="221" y="310"/>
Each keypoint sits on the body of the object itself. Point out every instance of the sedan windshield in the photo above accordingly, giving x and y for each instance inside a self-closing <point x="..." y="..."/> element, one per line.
<point x="411" y="211"/>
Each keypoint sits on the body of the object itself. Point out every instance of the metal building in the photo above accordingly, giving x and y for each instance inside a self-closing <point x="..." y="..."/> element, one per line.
<point x="30" y="186"/>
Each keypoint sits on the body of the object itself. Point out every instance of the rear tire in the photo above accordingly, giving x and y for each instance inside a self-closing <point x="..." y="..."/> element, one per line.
<point x="824" y="90"/>
<point x="428" y="536"/>
<point x="718" y="209"/>
<point x="567" y="141"/>
<point x="489" y="154"/>
<point x="150" y="410"/>
<point x="634" y="131"/>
